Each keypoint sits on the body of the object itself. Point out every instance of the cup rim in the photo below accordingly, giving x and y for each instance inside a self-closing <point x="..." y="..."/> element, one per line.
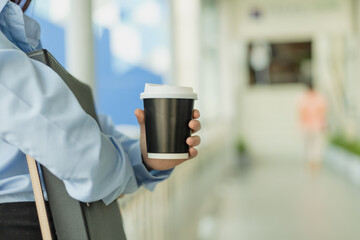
<point x="167" y="91"/>
<point x="163" y="95"/>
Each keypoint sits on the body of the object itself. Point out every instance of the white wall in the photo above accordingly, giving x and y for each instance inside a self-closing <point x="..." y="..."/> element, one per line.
<point x="269" y="121"/>
<point x="268" y="114"/>
<point x="279" y="18"/>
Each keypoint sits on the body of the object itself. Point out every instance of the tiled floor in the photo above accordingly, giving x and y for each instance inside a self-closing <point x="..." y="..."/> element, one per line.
<point x="285" y="201"/>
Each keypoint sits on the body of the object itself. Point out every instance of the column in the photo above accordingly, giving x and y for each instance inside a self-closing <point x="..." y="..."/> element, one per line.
<point x="79" y="42"/>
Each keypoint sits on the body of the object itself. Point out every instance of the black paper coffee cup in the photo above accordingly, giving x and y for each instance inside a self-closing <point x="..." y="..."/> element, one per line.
<point x="168" y="111"/>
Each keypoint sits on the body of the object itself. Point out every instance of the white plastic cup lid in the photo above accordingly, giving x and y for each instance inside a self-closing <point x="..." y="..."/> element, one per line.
<point x="167" y="91"/>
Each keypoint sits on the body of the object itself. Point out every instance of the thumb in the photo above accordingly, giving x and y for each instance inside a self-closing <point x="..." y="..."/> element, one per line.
<point x="140" y="116"/>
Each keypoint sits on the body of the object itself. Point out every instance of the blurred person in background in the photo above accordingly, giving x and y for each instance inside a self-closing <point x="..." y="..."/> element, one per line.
<point x="40" y="116"/>
<point x="312" y="114"/>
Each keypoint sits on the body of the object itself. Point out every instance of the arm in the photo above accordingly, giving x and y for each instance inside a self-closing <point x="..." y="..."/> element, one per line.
<point x="132" y="148"/>
<point x="40" y="116"/>
<point x="136" y="150"/>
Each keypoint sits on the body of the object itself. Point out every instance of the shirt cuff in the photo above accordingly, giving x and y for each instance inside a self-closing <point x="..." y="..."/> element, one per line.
<point x="144" y="177"/>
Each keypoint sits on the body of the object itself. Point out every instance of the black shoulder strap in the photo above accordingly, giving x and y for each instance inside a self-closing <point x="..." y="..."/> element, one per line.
<point x="76" y="220"/>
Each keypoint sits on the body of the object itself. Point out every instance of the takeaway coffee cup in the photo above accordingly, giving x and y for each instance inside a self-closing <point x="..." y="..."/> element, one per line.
<point x="168" y="110"/>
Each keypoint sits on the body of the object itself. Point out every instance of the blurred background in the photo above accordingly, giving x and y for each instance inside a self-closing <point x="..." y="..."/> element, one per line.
<point x="260" y="173"/>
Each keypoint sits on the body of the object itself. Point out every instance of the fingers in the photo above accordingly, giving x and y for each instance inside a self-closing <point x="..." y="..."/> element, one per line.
<point x="140" y="115"/>
<point x="194" y="125"/>
<point x="196" y="114"/>
<point x="193" y="141"/>
<point x="193" y="152"/>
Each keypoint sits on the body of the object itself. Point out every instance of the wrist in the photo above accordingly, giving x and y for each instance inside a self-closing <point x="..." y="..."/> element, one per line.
<point x="145" y="164"/>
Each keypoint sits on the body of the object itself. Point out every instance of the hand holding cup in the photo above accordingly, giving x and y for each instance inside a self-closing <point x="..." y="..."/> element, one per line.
<point x="164" y="164"/>
<point x="166" y="125"/>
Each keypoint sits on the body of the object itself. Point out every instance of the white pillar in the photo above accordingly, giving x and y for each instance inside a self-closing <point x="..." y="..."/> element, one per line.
<point x="79" y="42"/>
<point x="185" y="42"/>
<point x="229" y="65"/>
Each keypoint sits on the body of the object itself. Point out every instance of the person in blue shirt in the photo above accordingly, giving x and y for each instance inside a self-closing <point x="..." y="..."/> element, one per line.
<point x="39" y="116"/>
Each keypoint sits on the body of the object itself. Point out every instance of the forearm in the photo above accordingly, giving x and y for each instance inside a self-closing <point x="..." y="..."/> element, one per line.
<point x="41" y="117"/>
<point x="143" y="176"/>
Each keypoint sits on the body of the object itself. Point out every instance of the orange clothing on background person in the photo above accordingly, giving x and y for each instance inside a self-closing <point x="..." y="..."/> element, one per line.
<point x="312" y="114"/>
<point x="312" y="110"/>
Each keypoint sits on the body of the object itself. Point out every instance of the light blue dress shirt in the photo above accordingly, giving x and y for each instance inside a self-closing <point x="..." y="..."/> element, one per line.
<point x="40" y="116"/>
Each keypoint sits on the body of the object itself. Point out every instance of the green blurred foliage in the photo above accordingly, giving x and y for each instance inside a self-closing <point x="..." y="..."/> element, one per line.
<point x="241" y="146"/>
<point x="343" y="142"/>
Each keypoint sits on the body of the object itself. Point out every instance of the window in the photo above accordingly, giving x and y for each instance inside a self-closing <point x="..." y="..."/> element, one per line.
<point x="275" y="63"/>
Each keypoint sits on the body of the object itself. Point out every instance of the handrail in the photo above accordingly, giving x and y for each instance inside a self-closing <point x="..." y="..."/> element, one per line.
<point x="166" y="212"/>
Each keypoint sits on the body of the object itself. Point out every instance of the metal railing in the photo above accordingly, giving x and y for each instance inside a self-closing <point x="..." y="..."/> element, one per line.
<point x="170" y="211"/>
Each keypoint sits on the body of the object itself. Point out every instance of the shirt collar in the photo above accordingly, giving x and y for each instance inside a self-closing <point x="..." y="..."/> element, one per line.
<point x="32" y="30"/>
<point x="2" y="4"/>
<point x="23" y="31"/>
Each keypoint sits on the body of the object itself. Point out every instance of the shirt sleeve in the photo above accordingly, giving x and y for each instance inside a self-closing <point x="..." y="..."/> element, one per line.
<point x="132" y="149"/>
<point x="40" y="116"/>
